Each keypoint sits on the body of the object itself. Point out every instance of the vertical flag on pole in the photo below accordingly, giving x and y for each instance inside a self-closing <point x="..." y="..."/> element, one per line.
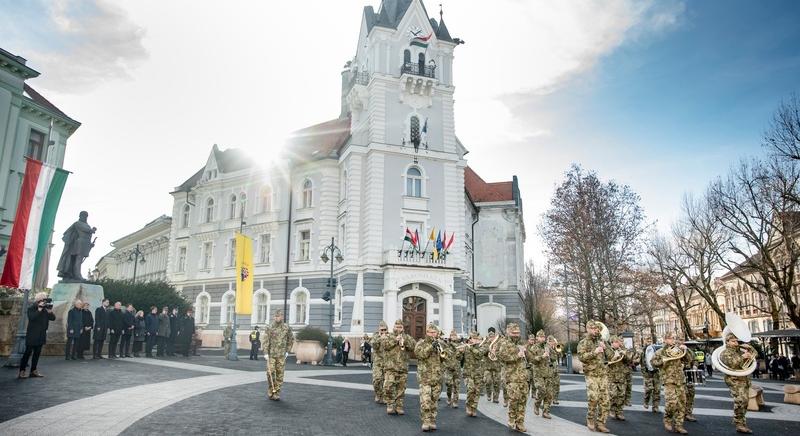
<point x="39" y="197"/>
<point x="244" y="274"/>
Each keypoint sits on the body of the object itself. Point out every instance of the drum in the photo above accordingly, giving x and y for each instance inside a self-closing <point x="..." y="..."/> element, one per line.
<point x="696" y="377"/>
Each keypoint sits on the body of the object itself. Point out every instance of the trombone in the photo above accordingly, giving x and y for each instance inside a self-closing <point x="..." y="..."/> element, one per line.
<point x="470" y="344"/>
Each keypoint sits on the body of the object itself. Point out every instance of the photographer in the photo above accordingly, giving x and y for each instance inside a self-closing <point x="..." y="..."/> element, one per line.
<point x="39" y="316"/>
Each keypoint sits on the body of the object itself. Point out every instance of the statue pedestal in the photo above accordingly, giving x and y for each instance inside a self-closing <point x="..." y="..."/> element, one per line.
<point x="64" y="295"/>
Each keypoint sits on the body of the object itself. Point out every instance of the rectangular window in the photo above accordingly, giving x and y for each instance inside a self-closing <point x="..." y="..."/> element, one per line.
<point x="264" y="243"/>
<point x="207" y="252"/>
<point x="305" y="245"/>
<point x="232" y="252"/>
<point x="36" y="145"/>
<point x="182" y="259"/>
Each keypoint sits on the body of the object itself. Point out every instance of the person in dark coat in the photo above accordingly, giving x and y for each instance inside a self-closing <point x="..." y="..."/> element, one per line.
<point x="139" y="335"/>
<point x="186" y="332"/>
<point x="345" y="351"/>
<point x="173" y="331"/>
<point x="163" y="331"/>
<point x="100" y="329"/>
<point x="255" y="343"/>
<point x="151" y="330"/>
<point x="128" y="324"/>
<point x="74" y="329"/>
<point x="39" y="317"/>
<point x="115" y="327"/>
<point x="86" y="334"/>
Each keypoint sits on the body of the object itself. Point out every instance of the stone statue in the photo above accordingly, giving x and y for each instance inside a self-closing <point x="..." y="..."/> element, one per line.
<point x="77" y="244"/>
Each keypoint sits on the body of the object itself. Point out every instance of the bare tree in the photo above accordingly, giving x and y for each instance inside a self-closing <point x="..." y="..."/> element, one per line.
<point x="538" y="301"/>
<point x="593" y="232"/>
<point x="671" y="290"/>
<point x="783" y="136"/>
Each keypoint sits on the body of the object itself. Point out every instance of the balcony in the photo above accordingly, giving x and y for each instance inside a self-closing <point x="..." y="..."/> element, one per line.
<point x="416" y="69"/>
<point x="414" y="258"/>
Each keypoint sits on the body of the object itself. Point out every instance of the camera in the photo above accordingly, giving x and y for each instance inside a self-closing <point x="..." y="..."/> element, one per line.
<point x="48" y="303"/>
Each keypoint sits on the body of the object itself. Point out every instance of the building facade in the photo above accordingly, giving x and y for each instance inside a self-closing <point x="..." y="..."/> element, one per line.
<point x="391" y="161"/>
<point x="141" y="256"/>
<point x="30" y="127"/>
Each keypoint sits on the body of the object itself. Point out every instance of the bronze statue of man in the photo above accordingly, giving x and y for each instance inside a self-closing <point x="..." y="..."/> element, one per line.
<point x="77" y="244"/>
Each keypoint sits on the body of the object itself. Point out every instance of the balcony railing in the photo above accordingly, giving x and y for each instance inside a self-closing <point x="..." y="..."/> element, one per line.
<point x="414" y="68"/>
<point x="413" y="257"/>
<point x="361" y="78"/>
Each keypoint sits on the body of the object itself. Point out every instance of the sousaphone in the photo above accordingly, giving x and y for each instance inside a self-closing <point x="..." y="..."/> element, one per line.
<point x="737" y="327"/>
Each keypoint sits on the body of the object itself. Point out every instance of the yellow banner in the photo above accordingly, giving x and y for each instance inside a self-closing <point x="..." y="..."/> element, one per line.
<point x="244" y="274"/>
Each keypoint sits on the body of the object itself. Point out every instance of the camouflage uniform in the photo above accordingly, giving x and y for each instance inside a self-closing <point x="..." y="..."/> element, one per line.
<point x="556" y="379"/>
<point x="516" y="373"/>
<point x="493" y="376"/>
<point x="541" y="372"/>
<point x="395" y="363"/>
<point x="688" y="410"/>
<point x="452" y="367"/>
<point x="674" y="381"/>
<point x="617" y="380"/>
<point x="473" y="373"/>
<point x="549" y="367"/>
<point x="631" y="355"/>
<point x="226" y="340"/>
<point x="652" y="384"/>
<point x="430" y="368"/>
<point x="595" y="372"/>
<point x="731" y="356"/>
<point x="377" y="364"/>
<point x="534" y="348"/>
<point x="278" y="340"/>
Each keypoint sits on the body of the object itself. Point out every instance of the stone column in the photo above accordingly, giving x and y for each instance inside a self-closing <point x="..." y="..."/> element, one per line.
<point x="390" y="306"/>
<point x="446" y="311"/>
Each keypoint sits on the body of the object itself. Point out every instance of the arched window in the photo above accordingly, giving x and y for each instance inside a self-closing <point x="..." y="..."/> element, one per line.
<point x="308" y="193"/>
<point x="232" y="207"/>
<point x="266" y="198"/>
<point x="298" y="311"/>
<point x="185" y="216"/>
<point x="261" y="307"/>
<point x="337" y="319"/>
<point x="414" y="182"/>
<point x="243" y="199"/>
<point x="406" y="57"/>
<point x="209" y="210"/>
<point x="202" y="307"/>
<point x="228" y="308"/>
<point x="413" y="131"/>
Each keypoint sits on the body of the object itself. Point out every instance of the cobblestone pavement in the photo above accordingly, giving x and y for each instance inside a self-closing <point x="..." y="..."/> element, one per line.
<point x="210" y="395"/>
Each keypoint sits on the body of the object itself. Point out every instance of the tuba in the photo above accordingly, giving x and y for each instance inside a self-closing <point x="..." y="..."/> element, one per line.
<point x="737" y="327"/>
<point x="649" y="353"/>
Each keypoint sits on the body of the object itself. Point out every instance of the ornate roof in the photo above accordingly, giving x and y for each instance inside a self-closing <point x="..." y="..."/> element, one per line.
<point x="481" y="192"/>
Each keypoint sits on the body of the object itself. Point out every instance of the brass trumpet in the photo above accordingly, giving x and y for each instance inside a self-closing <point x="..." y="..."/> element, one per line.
<point x="439" y="347"/>
<point x="468" y="344"/>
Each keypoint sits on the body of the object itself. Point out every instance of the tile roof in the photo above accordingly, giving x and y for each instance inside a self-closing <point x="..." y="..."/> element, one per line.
<point x="480" y="191"/>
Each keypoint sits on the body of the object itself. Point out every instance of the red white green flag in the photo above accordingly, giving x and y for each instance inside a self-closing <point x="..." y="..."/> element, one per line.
<point x="33" y="224"/>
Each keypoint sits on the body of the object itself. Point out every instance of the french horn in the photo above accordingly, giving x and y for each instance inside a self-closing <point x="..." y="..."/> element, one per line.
<point x="673" y="353"/>
<point x="737" y="327"/>
<point x="619" y="354"/>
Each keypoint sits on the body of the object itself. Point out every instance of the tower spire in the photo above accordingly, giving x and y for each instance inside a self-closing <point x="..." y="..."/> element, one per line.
<point x="441" y="13"/>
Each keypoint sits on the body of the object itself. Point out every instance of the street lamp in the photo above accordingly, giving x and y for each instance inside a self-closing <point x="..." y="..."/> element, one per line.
<point x="134" y="256"/>
<point x="336" y="254"/>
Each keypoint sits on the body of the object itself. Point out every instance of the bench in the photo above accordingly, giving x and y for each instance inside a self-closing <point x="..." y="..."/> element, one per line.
<point x="756" y="398"/>
<point x="791" y="394"/>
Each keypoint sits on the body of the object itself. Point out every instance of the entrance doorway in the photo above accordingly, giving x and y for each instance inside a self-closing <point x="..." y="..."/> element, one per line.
<point x="415" y="316"/>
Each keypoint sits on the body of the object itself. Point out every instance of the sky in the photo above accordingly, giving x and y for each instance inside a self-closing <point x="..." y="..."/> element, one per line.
<point x="663" y="96"/>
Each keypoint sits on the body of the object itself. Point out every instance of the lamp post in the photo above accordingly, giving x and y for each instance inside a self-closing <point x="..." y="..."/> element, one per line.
<point x="134" y="256"/>
<point x="329" y="253"/>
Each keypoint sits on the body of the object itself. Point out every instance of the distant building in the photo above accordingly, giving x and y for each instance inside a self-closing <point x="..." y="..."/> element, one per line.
<point x="152" y="242"/>
<point x="30" y="126"/>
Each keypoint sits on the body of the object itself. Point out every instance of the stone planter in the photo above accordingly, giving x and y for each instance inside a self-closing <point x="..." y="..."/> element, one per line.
<point x="309" y="352"/>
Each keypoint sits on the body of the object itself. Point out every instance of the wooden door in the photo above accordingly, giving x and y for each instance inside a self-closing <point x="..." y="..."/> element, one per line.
<point x="415" y="316"/>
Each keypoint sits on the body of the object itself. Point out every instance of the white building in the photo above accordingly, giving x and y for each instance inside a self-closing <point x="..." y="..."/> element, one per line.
<point x="390" y="161"/>
<point x="30" y="126"/>
<point x="150" y="264"/>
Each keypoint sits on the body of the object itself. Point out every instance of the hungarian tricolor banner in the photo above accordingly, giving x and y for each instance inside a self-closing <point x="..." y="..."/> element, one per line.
<point x="421" y="41"/>
<point x="33" y="224"/>
<point x="244" y="274"/>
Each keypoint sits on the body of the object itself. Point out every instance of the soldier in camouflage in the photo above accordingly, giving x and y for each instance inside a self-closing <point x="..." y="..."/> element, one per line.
<point x="278" y="340"/>
<point x="688" y="411"/>
<point x="532" y="347"/>
<point x="474" y="356"/>
<point x="674" y="381"/>
<point x="395" y="348"/>
<point x="652" y="382"/>
<point x="617" y="378"/>
<point x="549" y="366"/>
<point x="377" y="362"/>
<point x="593" y="353"/>
<point x="734" y="358"/>
<point x="632" y="359"/>
<point x="430" y="367"/>
<point x="555" y="380"/>
<point x="540" y="371"/>
<point x="226" y="340"/>
<point x="452" y="367"/>
<point x="493" y="376"/>
<point x="515" y="356"/>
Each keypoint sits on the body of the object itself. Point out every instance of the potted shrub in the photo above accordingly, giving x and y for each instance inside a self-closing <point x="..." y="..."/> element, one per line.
<point x="311" y="343"/>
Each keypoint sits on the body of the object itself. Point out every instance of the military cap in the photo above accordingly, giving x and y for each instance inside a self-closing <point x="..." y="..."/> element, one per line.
<point x="398" y="322"/>
<point x="474" y="334"/>
<point x="382" y="325"/>
<point x="615" y="338"/>
<point x="540" y="333"/>
<point x="512" y="326"/>
<point x="453" y="333"/>
<point x="431" y="326"/>
<point x="279" y="312"/>
<point x="592" y="324"/>
<point x="669" y="335"/>
<point x="730" y="336"/>
<point x="551" y="338"/>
